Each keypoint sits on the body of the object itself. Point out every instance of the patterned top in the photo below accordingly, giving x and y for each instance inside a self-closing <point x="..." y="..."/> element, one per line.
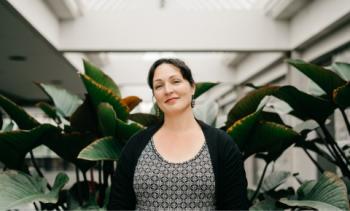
<point x="159" y="184"/>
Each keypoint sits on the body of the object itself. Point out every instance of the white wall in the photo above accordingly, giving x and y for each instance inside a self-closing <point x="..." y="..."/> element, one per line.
<point x="174" y="30"/>
<point x="254" y="64"/>
<point x="316" y="18"/>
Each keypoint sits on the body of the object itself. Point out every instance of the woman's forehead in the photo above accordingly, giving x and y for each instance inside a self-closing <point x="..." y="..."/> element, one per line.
<point x="165" y="71"/>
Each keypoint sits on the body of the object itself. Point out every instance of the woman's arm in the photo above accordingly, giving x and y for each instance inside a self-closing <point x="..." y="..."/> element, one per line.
<point x="122" y="195"/>
<point x="233" y="178"/>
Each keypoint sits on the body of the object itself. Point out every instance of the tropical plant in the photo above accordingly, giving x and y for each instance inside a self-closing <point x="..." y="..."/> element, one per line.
<point x="262" y="132"/>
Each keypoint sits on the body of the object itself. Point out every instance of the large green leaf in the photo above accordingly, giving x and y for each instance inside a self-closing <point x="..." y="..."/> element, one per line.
<point x="50" y="111"/>
<point x="100" y="77"/>
<point x="144" y="118"/>
<point x="267" y="204"/>
<point x="202" y="87"/>
<point x="1" y="120"/>
<point x="241" y="130"/>
<point x="343" y="69"/>
<point x="14" y="145"/>
<point x="68" y="146"/>
<point x="328" y="193"/>
<point x="267" y="137"/>
<point x="248" y="104"/>
<point x="341" y="96"/>
<point x="274" y="180"/>
<point x="99" y="94"/>
<point x="271" y="117"/>
<point x="324" y="78"/>
<point x="18" y="114"/>
<point x="8" y="127"/>
<point x="84" y="119"/>
<point x="124" y="131"/>
<point x="106" y="119"/>
<point x="131" y="102"/>
<point x="272" y="138"/>
<point x="306" y="188"/>
<point x="65" y="102"/>
<point x="310" y="107"/>
<point x="106" y="148"/>
<point x="18" y="188"/>
<point x="308" y="204"/>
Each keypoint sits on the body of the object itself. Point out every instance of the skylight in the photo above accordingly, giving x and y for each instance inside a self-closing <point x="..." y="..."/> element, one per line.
<point x="185" y="5"/>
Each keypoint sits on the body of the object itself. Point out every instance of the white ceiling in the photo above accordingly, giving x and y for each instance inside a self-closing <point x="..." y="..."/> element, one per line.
<point x="43" y="63"/>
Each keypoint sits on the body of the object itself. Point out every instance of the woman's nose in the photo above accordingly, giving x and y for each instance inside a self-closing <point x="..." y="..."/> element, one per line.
<point x="168" y="88"/>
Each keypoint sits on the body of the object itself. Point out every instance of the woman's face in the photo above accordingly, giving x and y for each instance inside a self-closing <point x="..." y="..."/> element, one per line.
<point x="173" y="93"/>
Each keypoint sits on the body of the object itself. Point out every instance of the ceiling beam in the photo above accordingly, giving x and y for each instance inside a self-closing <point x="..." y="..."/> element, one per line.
<point x="174" y="31"/>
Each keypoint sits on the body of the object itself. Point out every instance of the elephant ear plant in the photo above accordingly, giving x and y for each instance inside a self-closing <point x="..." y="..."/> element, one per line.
<point x="261" y="132"/>
<point x="90" y="133"/>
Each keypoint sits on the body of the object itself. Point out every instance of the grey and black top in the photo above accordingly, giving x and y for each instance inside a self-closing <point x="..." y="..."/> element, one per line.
<point x="226" y="159"/>
<point x="160" y="184"/>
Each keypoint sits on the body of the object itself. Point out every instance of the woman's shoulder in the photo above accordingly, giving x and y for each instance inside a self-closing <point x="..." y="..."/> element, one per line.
<point x="140" y="138"/>
<point x="212" y="131"/>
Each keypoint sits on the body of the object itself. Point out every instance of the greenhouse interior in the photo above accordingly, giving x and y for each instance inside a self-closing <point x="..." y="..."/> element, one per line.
<point x="274" y="75"/>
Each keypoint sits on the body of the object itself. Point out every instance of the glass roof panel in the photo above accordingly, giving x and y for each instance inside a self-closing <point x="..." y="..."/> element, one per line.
<point x="182" y="5"/>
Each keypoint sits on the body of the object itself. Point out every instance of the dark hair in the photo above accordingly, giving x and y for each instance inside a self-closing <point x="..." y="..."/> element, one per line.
<point x="184" y="69"/>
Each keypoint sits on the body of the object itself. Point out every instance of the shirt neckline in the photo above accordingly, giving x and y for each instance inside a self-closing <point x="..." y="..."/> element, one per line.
<point x="177" y="163"/>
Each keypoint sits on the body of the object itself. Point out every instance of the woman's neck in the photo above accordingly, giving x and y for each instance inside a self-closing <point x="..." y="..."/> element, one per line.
<point x="180" y="122"/>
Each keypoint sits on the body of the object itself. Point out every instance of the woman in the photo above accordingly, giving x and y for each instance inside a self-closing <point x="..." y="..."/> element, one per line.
<point x="181" y="163"/>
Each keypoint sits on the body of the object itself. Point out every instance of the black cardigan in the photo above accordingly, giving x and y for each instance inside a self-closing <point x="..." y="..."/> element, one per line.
<point x="230" y="178"/>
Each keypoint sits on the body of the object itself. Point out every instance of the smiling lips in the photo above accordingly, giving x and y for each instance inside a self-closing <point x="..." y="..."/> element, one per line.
<point x="171" y="100"/>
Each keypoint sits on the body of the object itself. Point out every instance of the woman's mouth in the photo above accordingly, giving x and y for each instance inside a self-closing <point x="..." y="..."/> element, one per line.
<point x="171" y="100"/>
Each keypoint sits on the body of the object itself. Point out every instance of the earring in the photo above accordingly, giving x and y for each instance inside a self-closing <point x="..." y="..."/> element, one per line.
<point x="156" y="108"/>
<point x="193" y="102"/>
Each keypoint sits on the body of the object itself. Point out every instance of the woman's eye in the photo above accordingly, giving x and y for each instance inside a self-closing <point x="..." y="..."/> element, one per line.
<point x="158" y="86"/>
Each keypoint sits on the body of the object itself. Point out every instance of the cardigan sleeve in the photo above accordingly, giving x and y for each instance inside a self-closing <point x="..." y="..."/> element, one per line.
<point x="233" y="178"/>
<point x="122" y="195"/>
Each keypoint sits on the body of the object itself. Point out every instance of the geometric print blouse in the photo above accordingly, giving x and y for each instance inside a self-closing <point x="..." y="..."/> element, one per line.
<point x="159" y="184"/>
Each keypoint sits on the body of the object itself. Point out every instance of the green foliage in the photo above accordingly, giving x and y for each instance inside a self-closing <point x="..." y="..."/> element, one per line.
<point x="343" y="69"/>
<point x="84" y="119"/>
<point x="18" y="114"/>
<point x="341" y="96"/>
<point x="14" y="145"/>
<point x="203" y="87"/>
<point x="106" y="119"/>
<point x="267" y="204"/>
<point x="65" y="102"/>
<point x="99" y="94"/>
<point x="144" y="119"/>
<point x="328" y="193"/>
<point x="248" y="104"/>
<point x="311" y="107"/>
<point x="324" y="78"/>
<point x="274" y="180"/>
<point x="18" y="188"/>
<point x="68" y="146"/>
<point x="50" y="111"/>
<point x="106" y="148"/>
<point x="131" y="102"/>
<point x="101" y="78"/>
